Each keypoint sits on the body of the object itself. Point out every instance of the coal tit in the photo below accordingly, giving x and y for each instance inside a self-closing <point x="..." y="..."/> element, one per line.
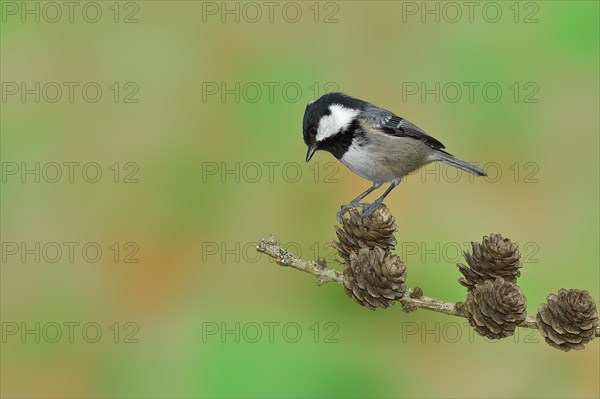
<point x="373" y="142"/>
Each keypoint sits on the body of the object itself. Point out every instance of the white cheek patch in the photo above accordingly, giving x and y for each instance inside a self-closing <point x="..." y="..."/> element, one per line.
<point x="336" y="122"/>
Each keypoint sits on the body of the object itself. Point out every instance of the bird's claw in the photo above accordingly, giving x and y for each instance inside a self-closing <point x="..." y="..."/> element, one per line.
<point x="369" y="209"/>
<point x="346" y="208"/>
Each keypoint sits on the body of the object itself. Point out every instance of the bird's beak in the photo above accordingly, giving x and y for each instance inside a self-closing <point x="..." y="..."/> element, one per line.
<point x="311" y="151"/>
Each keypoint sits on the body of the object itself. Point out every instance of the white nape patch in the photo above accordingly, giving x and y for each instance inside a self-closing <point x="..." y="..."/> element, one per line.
<point x="336" y="122"/>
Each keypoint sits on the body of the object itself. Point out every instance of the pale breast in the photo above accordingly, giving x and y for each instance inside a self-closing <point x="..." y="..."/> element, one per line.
<point x="383" y="158"/>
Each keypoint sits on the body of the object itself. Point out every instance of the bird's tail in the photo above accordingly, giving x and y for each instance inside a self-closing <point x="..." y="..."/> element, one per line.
<point x="451" y="160"/>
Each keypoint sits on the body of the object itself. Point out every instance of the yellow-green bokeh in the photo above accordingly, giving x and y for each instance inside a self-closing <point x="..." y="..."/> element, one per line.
<point x="547" y="199"/>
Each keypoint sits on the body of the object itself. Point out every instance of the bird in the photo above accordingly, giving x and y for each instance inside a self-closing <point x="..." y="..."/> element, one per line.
<point x="372" y="142"/>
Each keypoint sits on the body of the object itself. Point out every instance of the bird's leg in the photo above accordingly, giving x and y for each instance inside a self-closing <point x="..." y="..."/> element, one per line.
<point x="377" y="203"/>
<point x="356" y="201"/>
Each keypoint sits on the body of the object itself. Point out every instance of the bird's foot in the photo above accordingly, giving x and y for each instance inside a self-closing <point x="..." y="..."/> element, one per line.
<point x="369" y="209"/>
<point x="346" y="208"/>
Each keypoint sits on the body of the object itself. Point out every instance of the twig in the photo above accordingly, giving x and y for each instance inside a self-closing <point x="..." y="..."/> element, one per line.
<point x="285" y="258"/>
<point x="412" y="300"/>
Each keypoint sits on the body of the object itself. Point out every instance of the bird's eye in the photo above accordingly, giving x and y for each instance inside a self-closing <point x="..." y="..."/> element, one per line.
<point x="313" y="131"/>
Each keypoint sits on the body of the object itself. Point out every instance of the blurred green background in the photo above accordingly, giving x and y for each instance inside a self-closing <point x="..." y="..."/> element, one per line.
<point x="200" y="115"/>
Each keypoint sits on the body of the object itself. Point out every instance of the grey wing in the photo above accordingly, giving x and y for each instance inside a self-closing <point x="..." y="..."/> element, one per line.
<point x="394" y="125"/>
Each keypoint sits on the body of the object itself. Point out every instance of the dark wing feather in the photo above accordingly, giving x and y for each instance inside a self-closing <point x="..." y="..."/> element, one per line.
<point x="394" y="125"/>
